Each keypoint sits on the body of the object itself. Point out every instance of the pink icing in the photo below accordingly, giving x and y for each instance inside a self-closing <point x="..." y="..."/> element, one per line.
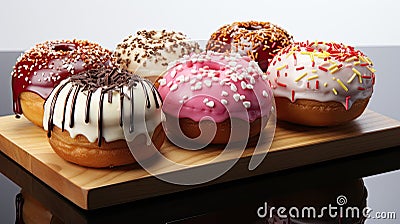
<point x="216" y="85"/>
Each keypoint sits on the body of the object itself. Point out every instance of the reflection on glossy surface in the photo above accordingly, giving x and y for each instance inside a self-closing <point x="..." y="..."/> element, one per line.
<point x="32" y="211"/>
<point x="354" y="190"/>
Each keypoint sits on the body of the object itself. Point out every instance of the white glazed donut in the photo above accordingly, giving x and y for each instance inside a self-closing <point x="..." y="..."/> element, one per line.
<point x="148" y="52"/>
<point x="320" y="84"/>
<point x="84" y="116"/>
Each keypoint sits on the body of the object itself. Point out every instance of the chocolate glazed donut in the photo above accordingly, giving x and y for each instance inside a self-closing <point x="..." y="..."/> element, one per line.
<point x="43" y="67"/>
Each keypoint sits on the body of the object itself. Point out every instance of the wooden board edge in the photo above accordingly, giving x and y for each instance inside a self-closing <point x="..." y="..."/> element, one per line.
<point x="42" y="172"/>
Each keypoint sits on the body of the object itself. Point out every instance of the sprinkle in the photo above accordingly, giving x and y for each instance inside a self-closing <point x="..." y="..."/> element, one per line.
<point x="314" y="71"/>
<point x="335" y="70"/>
<point x="313" y="77"/>
<point x="210" y="104"/>
<point x="207" y="82"/>
<point x="347" y="102"/>
<point x="246" y="104"/>
<point x="265" y="94"/>
<point x="371" y="69"/>
<point x="173" y="87"/>
<point x="351" y="59"/>
<point x="290" y="53"/>
<point x="361" y="88"/>
<point x="299" y="68"/>
<point x="323" y="69"/>
<point x="308" y="85"/>
<point x="224" y="93"/>
<point x="357" y="63"/>
<point x="332" y="67"/>
<point x="169" y="84"/>
<point x="243" y="84"/>
<point x="173" y="73"/>
<point x="300" y="77"/>
<point x="242" y="97"/>
<point x="236" y="97"/>
<point x="356" y="71"/>
<point x="281" y="84"/>
<point x="162" y="82"/>
<point x="281" y="67"/>
<point x="224" y="101"/>
<point x="352" y="78"/>
<point x="317" y="84"/>
<point x="325" y="84"/>
<point x="342" y="85"/>
<point x="233" y="87"/>
<point x="293" y="95"/>
<point x="362" y="58"/>
<point x="334" y="91"/>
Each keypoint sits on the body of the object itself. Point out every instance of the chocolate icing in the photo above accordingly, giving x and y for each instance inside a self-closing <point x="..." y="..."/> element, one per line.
<point x="109" y="81"/>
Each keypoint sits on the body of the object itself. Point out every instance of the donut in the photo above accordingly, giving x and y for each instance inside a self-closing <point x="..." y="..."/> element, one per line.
<point x="44" y="66"/>
<point x="148" y="53"/>
<point x="218" y="87"/>
<point x="320" y="84"/>
<point x="84" y="117"/>
<point x="258" y="40"/>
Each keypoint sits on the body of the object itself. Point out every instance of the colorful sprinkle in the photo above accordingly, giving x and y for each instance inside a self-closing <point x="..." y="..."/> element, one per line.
<point x="323" y="69"/>
<point x="342" y="84"/>
<point x="313" y="77"/>
<point x="352" y="78"/>
<point x="300" y="77"/>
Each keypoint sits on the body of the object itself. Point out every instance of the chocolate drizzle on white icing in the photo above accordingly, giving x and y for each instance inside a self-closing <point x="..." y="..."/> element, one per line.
<point x="110" y="81"/>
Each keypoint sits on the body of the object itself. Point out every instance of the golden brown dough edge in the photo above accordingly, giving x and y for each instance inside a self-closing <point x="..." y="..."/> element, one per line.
<point x="80" y="151"/>
<point x="32" y="107"/>
<point x="314" y="113"/>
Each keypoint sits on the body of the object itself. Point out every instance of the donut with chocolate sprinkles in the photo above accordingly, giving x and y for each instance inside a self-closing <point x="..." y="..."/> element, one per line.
<point x="258" y="40"/>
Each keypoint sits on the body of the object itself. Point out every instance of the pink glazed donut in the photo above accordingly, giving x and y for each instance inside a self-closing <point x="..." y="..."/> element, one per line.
<point x="216" y="87"/>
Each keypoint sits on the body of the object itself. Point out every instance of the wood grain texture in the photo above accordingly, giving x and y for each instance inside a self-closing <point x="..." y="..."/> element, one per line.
<point x="293" y="146"/>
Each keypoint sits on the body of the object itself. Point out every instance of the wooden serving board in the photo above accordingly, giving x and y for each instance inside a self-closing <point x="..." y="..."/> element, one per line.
<point x="293" y="146"/>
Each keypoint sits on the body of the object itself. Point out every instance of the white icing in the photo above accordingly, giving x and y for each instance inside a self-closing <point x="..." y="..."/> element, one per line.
<point x="296" y="80"/>
<point x="112" y="130"/>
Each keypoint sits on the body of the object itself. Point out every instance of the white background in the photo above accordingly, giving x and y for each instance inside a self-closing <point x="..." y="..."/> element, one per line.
<point x="24" y="23"/>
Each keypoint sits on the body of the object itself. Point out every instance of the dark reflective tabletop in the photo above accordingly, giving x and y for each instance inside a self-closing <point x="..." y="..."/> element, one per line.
<point x="357" y="183"/>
